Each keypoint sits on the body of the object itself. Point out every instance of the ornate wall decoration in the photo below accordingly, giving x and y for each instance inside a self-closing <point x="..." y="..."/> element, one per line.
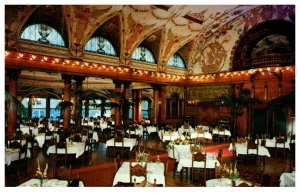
<point x="240" y="21"/>
<point x="174" y="89"/>
<point x="207" y="93"/>
<point x="212" y="57"/>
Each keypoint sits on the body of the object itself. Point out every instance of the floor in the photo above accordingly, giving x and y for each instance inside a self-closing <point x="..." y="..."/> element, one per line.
<point x="99" y="170"/>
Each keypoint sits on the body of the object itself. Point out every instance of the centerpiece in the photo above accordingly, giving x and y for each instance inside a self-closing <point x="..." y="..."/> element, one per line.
<point x="41" y="175"/>
<point x="141" y="156"/>
<point x="233" y="173"/>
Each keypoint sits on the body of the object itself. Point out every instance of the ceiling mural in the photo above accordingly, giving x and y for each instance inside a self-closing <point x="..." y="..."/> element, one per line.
<point x="204" y="35"/>
<point x="213" y="52"/>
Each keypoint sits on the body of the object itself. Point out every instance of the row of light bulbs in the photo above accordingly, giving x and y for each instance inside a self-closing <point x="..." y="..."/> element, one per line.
<point x="90" y="65"/>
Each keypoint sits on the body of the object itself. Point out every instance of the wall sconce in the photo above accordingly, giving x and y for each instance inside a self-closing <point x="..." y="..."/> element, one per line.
<point x="266" y="92"/>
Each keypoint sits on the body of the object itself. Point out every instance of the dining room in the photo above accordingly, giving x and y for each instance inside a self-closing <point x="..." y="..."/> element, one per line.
<point x="150" y="96"/>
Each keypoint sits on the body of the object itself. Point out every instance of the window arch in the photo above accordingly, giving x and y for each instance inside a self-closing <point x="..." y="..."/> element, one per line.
<point x="43" y="33"/>
<point x="144" y="54"/>
<point x="176" y="61"/>
<point x="100" y="45"/>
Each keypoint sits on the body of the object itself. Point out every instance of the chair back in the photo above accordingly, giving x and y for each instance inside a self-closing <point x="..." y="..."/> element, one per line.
<point x="138" y="170"/>
<point x="252" y="145"/>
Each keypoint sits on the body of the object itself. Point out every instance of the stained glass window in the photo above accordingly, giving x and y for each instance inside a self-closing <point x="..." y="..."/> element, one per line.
<point x="43" y="33"/>
<point x="100" y="45"/>
<point x="176" y="61"/>
<point x="143" y="54"/>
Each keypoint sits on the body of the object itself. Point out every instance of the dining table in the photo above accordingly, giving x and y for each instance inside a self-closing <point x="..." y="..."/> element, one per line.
<point x="76" y="148"/>
<point x="225" y="182"/>
<point x="155" y="170"/>
<point x="185" y="160"/>
<point x="12" y="154"/>
<point x="287" y="179"/>
<point x="47" y="183"/>
<point x="128" y="142"/>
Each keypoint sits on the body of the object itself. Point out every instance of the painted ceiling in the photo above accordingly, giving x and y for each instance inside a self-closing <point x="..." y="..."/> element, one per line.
<point x="204" y="35"/>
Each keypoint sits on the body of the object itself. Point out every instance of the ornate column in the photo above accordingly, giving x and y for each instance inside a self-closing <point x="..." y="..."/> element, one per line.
<point x="87" y="108"/>
<point x="126" y="104"/>
<point x="139" y="106"/>
<point x="78" y="101"/>
<point x="48" y="107"/>
<point x="13" y="76"/>
<point x="134" y="105"/>
<point x="155" y="102"/>
<point x="66" y="98"/>
<point x="163" y="104"/>
<point x="117" y="110"/>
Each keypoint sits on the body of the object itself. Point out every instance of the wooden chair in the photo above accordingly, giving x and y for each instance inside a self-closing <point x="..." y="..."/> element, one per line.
<point x="62" y="172"/>
<point x="199" y="157"/>
<point x="87" y="149"/>
<point x="221" y="134"/>
<point x="119" y="149"/>
<point x="117" y="163"/>
<point x="282" y="141"/>
<point x="220" y="156"/>
<point x="21" y="163"/>
<point x="251" y="145"/>
<point x="138" y="171"/>
<point x="59" y="157"/>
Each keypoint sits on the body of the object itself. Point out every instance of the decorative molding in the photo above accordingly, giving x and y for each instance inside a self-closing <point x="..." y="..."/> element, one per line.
<point x="207" y="93"/>
<point x="101" y="58"/>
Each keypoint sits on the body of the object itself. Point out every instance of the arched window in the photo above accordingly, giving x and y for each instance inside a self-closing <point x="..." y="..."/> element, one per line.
<point x="100" y="45"/>
<point x="143" y="54"/>
<point x="176" y="61"/>
<point x="42" y="33"/>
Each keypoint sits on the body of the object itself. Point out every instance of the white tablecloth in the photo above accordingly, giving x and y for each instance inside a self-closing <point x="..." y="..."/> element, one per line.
<point x="272" y="143"/>
<point x="287" y="179"/>
<point x="241" y="148"/>
<point x="203" y="127"/>
<point x="40" y="138"/>
<point x="181" y="130"/>
<point x="169" y="136"/>
<point x="224" y="182"/>
<point x="48" y="183"/>
<point x="154" y="171"/>
<point x="128" y="142"/>
<point x="25" y="129"/>
<point x="179" y="149"/>
<point x="76" y="148"/>
<point x="205" y="135"/>
<point x="225" y="132"/>
<point x="151" y="129"/>
<point x="138" y="131"/>
<point x="185" y="160"/>
<point x="13" y="155"/>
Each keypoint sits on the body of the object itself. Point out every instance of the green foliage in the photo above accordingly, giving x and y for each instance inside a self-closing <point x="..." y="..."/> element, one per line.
<point x="11" y="101"/>
<point x="63" y="105"/>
